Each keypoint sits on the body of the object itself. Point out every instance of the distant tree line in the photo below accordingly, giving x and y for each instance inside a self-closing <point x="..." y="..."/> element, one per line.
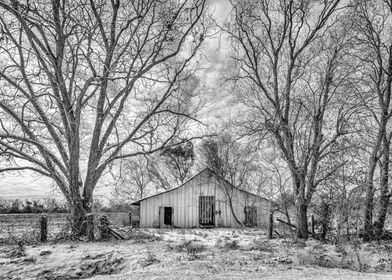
<point x="17" y="206"/>
<point x="52" y="205"/>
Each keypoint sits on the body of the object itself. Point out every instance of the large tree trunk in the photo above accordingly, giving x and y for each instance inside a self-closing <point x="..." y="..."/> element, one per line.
<point x="80" y="207"/>
<point x="302" y="221"/>
<point x="368" y="226"/>
<point x="368" y="232"/>
<point x="301" y="206"/>
<point x="380" y="223"/>
<point x="385" y="195"/>
<point x="325" y="219"/>
<point x="78" y="217"/>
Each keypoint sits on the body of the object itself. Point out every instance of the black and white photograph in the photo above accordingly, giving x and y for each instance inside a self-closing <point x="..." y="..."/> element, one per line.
<point x="195" y="139"/>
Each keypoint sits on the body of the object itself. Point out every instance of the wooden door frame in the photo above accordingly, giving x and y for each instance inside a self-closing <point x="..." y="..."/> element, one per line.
<point x="207" y="203"/>
<point x="162" y="216"/>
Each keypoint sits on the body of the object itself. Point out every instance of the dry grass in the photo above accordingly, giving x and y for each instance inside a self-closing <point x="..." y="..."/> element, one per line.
<point x="231" y="245"/>
<point x="141" y="236"/>
<point x="262" y="245"/>
<point x="191" y="247"/>
<point x="149" y="260"/>
<point x="207" y="251"/>
<point x="17" y="251"/>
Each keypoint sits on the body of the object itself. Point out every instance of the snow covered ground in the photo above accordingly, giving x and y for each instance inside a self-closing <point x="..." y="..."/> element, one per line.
<point x="196" y="254"/>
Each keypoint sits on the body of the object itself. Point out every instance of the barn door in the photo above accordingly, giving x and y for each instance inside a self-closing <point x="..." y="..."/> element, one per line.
<point x="165" y="216"/>
<point x="207" y="210"/>
<point x="250" y="216"/>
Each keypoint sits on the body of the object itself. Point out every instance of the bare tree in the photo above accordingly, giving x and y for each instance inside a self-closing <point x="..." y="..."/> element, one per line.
<point x="179" y="161"/>
<point x="233" y="162"/>
<point x="374" y="50"/>
<point x="86" y="83"/>
<point x="292" y="76"/>
<point x="335" y="201"/>
<point x="230" y="159"/>
<point x="138" y="177"/>
<point x="132" y="179"/>
<point x="278" y="186"/>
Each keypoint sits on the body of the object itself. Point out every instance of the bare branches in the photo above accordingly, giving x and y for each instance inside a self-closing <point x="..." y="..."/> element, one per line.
<point x="290" y="53"/>
<point x="95" y="81"/>
<point x="22" y="168"/>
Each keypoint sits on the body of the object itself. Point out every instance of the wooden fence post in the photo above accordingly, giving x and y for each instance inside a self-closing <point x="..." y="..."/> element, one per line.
<point x="44" y="228"/>
<point x="90" y="226"/>
<point x="270" y="226"/>
<point x="104" y="227"/>
<point x="313" y="225"/>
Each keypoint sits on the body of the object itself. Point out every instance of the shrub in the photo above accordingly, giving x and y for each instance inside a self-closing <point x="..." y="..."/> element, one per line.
<point x="190" y="247"/>
<point x="317" y="260"/>
<point x="45" y="253"/>
<point x="17" y="251"/>
<point x="149" y="260"/>
<point x="141" y="236"/>
<point x="232" y="245"/>
<point x="261" y="245"/>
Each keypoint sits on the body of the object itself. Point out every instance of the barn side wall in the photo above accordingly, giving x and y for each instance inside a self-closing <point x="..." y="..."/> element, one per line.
<point x="185" y="203"/>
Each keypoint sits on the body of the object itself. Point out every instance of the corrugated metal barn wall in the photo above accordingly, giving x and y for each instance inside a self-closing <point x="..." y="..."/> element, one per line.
<point x="185" y="204"/>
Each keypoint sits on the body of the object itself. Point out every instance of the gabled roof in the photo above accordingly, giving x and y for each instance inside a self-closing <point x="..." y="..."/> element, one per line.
<point x="205" y="169"/>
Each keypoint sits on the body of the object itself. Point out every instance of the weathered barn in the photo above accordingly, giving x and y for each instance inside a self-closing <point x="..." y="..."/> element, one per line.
<point x="206" y="200"/>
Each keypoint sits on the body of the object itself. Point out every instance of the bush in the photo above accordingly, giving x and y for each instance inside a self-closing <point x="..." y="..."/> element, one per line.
<point x="261" y="245"/>
<point x="45" y="253"/>
<point x="151" y="259"/>
<point x="190" y="247"/>
<point x="142" y="236"/>
<point x="232" y="245"/>
<point x="227" y="243"/>
<point x="17" y="251"/>
<point x="317" y="259"/>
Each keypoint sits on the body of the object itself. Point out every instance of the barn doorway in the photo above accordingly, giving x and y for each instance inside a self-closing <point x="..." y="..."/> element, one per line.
<point x="207" y="211"/>
<point x="250" y="216"/>
<point x="167" y="216"/>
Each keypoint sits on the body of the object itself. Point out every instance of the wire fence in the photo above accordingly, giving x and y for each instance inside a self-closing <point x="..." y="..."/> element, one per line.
<point x="27" y="227"/>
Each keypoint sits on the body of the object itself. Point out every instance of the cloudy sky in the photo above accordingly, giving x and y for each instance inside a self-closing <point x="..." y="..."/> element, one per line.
<point x="29" y="185"/>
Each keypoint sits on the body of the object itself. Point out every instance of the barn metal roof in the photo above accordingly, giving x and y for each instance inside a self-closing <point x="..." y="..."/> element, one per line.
<point x="205" y="169"/>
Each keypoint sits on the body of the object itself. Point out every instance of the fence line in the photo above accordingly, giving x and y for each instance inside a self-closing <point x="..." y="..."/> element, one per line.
<point x="29" y="227"/>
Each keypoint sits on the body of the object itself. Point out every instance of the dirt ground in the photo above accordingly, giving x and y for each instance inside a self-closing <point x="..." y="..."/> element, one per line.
<point x="196" y="254"/>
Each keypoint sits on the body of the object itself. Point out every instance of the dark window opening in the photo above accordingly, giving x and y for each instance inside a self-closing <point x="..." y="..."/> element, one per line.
<point x="167" y="216"/>
<point x="207" y="210"/>
<point x="250" y="216"/>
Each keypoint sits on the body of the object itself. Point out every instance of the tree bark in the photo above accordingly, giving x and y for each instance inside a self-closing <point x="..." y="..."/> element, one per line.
<point x="301" y="204"/>
<point x="90" y="227"/>
<point x="368" y="233"/>
<point x="302" y="221"/>
<point x="78" y="218"/>
<point x="368" y="227"/>
<point x="79" y="209"/>
<point x="286" y="212"/>
<point x="385" y="194"/>
<point x="325" y="215"/>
